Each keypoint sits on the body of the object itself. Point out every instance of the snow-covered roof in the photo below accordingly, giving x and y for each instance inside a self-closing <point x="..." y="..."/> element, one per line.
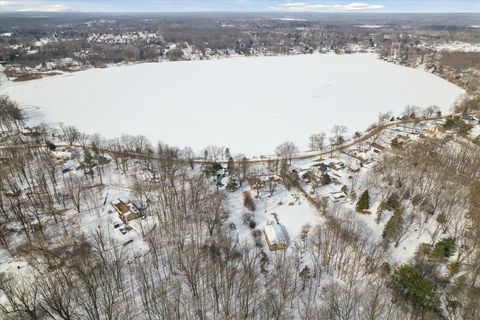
<point x="126" y="210"/>
<point x="132" y="207"/>
<point x="336" y="196"/>
<point x="276" y="234"/>
<point x="61" y="154"/>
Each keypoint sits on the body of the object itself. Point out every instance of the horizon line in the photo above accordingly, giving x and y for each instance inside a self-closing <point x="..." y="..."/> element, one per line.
<point x="253" y="11"/>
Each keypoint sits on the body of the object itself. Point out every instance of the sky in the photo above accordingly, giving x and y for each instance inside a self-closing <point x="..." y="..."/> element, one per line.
<point x="240" y="5"/>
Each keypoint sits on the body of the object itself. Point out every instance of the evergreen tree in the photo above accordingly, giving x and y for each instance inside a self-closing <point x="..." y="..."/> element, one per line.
<point x="232" y="184"/>
<point x="88" y="163"/>
<point x="409" y="284"/>
<point x="95" y="148"/>
<point x="445" y="248"/>
<point x="230" y="165"/>
<point x="392" y="202"/>
<point x="213" y="168"/>
<point x="395" y="144"/>
<point x="305" y="274"/>
<point x="325" y="179"/>
<point x="51" y="146"/>
<point x="363" y="203"/>
<point x="394" y="229"/>
<point x="248" y="201"/>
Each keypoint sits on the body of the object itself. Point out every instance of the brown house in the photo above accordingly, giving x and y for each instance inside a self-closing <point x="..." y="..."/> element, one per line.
<point x="126" y="211"/>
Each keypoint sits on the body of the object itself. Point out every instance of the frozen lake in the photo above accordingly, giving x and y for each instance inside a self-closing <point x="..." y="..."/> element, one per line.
<point x="247" y="104"/>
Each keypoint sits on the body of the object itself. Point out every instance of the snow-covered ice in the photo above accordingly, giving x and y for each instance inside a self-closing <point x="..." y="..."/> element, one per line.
<point x="247" y="104"/>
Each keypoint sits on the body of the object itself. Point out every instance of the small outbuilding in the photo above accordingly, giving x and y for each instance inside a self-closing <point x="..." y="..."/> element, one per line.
<point x="276" y="236"/>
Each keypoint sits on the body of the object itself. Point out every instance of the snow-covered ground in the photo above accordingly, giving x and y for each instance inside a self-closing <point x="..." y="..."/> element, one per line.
<point x="247" y="104"/>
<point x="371" y="26"/>
<point x="458" y="46"/>
<point x="3" y="77"/>
<point x="292" y="210"/>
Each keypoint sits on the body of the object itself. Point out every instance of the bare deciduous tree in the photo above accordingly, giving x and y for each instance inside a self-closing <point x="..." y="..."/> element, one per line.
<point x="70" y="133"/>
<point x="317" y="142"/>
<point x="338" y="131"/>
<point x="287" y="151"/>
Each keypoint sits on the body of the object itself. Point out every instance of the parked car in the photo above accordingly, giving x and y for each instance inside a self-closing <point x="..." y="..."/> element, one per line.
<point x="117" y="225"/>
<point x="123" y="231"/>
<point x="110" y="211"/>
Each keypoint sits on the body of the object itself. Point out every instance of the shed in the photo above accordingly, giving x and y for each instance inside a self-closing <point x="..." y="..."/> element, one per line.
<point x="276" y="236"/>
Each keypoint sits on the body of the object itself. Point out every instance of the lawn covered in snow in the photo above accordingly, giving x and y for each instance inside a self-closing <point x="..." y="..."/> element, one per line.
<point x="247" y="104"/>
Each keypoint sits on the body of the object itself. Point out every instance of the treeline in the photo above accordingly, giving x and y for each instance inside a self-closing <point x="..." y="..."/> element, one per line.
<point x="206" y="36"/>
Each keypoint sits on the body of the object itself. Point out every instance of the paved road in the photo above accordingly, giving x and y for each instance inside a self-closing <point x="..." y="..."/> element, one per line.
<point x="304" y="156"/>
<point x="369" y="134"/>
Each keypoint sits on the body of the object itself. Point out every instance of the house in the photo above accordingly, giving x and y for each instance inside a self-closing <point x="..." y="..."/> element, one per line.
<point x="414" y="132"/>
<point x="430" y="132"/>
<point x="404" y="138"/>
<point x="30" y="132"/>
<point x="322" y="167"/>
<point x="316" y="171"/>
<point x="354" y="168"/>
<point x="62" y="155"/>
<point x="470" y="119"/>
<point x="102" y="160"/>
<point x="337" y="196"/>
<point x="377" y="147"/>
<point x="127" y="211"/>
<point x="307" y="176"/>
<point x="336" y="165"/>
<point x="276" y="236"/>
